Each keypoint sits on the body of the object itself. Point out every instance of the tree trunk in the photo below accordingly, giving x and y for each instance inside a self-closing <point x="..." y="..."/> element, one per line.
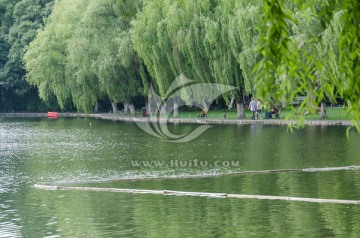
<point x="311" y="102"/>
<point x="323" y="114"/>
<point x="176" y="108"/>
<point x="132" y="109"/>
<point x="126" y="108"/>
<point x="96" y="109"/>
<point x="148" y="108"/>
<point x="114" y="107"/>
<point x="205" y="105"/>
<point x="163" y="110"/>
<point x="240" y="108"/>
<point x="232" y="103"/>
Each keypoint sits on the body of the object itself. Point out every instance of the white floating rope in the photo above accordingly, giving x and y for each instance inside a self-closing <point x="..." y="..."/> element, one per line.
<point x="198" y="194"/>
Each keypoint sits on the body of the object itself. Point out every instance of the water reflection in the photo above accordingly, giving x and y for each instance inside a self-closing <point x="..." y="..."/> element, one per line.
<point x="8" y="218"/>
<point x="71" y="150"/>
<point x="114" y="215"/>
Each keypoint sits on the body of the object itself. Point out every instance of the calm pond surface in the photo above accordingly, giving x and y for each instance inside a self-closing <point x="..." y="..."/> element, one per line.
<point x="70" y="150"/>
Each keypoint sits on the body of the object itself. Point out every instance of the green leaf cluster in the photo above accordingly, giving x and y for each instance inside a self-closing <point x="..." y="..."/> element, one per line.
<point x="19" y="21"/>
<point x="310" y="48"/>
<point x="85" y="54"/>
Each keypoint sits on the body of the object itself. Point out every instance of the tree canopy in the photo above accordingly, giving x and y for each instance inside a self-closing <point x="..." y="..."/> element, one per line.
<point x="84" y="53"/>
<point x="287" y="69"/>
<point x="19" y="21"/>
<point x="275" y="50"/>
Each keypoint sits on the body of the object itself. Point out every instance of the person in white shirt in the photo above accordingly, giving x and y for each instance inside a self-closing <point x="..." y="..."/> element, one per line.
<point x="252" y="107"/>
<point x="258" y="109"/>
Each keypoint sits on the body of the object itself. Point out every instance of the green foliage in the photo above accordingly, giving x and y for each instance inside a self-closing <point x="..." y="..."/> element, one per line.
<point x="145" y="39"/>
<point x="278" y="60"/>
<point x="19" y="22"/>
<point x="349" y="46"/>
<point x="193" y="39"/>
<point x="310" y="49"/>
<point x="46" y="57"/>
<point x="243" y="38"/>
<point x="87" y="48"/>
<point x="273" y="49"/>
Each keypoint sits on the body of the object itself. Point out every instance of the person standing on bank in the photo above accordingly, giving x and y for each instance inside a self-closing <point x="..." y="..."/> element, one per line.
<point x="258" y="109"/>
<point x="252" y="107"/>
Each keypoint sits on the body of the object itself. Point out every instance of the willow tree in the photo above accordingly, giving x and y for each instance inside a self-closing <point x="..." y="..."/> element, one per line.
<point x="220" y="43"/>
<point x="101" y="53"/>
<point x="316" y="56"/>
<point x="242" y="35"/>
<point x="152" y="44"/>
<point x="46" y="56"/>
<point x="185" y="29"/>
<point x="85" y="53"/>
<point x="280" y="60"/>
<point x="167" y="35"/>
<point x="190" y="38"/>
<point x="330" y="53"/>
<point x="223" y="64"/>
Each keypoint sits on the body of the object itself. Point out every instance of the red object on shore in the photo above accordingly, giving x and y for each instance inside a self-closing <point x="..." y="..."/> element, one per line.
<point x="53" y="115"/>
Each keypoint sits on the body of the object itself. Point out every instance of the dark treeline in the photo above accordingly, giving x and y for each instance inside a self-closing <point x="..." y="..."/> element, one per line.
<point x="19" y="23"/>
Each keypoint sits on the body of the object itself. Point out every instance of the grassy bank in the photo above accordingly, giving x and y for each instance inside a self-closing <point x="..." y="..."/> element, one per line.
<point x="333" y="113"/>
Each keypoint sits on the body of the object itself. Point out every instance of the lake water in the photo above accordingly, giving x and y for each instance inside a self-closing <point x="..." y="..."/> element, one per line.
<point x="70" y="150"/>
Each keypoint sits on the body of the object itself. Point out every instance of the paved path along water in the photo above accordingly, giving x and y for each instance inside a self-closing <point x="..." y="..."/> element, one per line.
<point x="118" y="117"/>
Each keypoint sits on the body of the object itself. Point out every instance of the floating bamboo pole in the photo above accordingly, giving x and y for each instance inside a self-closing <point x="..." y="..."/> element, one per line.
<point x="116" y="190"/>
<point x="198" y="194"/>
<point x="294" y="199"/>
<point x="329" y="169"/>
<point x="47" y="186"/>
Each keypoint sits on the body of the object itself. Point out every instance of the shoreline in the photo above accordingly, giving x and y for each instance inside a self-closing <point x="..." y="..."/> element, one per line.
<point x="125" y="118"/>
